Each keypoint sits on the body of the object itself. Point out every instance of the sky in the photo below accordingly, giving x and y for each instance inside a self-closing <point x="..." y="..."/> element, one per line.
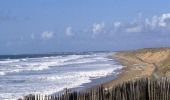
<point x="45" y="26"/>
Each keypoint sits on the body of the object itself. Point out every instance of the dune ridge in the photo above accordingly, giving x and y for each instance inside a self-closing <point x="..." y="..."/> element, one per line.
<point x="142" y="63"/>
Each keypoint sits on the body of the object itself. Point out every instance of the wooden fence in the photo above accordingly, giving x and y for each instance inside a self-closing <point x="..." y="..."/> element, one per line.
<point x="141" y="89"/>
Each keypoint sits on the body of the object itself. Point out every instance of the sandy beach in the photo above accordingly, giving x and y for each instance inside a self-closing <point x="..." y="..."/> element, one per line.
<point x="138" y="64"/>
<point x="144" y="65"/>
<point x="141" y="64"/>
<point x="134" y="68"/>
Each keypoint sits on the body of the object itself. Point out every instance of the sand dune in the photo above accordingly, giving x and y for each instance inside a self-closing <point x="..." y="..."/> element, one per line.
<point x="150" y="62"/>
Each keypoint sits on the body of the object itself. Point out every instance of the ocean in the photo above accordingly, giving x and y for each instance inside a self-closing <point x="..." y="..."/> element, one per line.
<point x="50" y="73"/>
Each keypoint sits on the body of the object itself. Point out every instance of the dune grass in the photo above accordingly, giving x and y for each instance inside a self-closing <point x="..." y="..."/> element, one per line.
<point x="162" y="64"/>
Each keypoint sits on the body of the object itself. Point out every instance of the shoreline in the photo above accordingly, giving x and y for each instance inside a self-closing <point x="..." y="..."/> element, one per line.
<point x="130" y="70"/>
<point x="98" y="81"/>
<point x="142" y="64"/>
<point x="134" y="69"/>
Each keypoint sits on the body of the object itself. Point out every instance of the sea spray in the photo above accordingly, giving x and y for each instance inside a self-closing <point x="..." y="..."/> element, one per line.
<point x="50" y="74"/>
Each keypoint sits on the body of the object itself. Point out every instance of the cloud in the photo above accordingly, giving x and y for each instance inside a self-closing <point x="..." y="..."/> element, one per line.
<point x="69" y="31"/>
<point x="153" y="22"/>
<point x="98" y="28"/>
<point x="116" y="25"/>
<point x="164" y="20"/>
<point x="47" y="35"/>
<point x="134" y="29"/>
<point x="158" y="22"/>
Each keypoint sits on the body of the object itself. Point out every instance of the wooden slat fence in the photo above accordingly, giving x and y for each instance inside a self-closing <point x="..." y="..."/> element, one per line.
<point x="141" y="89"/>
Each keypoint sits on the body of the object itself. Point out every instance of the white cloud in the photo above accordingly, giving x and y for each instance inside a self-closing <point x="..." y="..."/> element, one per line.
<point x="134" y="29"/>
<point x="116" y="25"/>
<point x="153" y="23"/>
<point x="158" y="22"/>
<point x="164" y="19"/>
<point x="140" y="25"/>
<point x="98" y="28"/>
<point x="47" y="35"/>
<point x="69" y="31"/>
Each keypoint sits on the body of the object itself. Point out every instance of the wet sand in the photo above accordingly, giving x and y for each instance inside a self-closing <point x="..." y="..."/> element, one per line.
<point x="138" y="64"/>
<point x="134" y="68"/>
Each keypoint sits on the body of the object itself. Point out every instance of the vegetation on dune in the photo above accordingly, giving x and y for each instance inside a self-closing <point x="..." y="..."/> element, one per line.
<point x="159" y="57"/>
<point x="164" y="66"/>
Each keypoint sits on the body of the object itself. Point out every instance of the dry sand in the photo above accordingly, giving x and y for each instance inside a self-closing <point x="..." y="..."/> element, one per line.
<point x="151" y="62"/>
<point x="134" y="68"/>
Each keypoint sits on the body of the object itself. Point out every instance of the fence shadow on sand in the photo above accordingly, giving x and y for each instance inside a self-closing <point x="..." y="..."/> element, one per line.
<point x="140" y="89"/>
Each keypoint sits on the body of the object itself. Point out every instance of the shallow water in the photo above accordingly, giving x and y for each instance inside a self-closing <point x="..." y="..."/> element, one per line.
<point x="49" y="74"/>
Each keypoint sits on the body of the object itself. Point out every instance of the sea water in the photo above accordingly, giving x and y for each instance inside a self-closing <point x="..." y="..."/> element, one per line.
<point x="47" y="74"/>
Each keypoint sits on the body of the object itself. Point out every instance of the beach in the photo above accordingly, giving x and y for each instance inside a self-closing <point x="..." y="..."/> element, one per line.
<point x="134" y="69"/>
<point x="81" y="72"/>
<point x="142" y="71"/>
<point x="142" y="63"/>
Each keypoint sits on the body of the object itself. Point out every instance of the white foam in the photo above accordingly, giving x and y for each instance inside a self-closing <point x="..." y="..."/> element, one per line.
<point x="44" y="63"/>
<point x="2" y="73"/>
<point x="9" y="61"/>
<point x="82" y="69"/>
<point x="75" y="79"/>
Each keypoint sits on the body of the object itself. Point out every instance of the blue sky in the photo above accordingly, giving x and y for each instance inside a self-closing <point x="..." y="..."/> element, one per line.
<point x="41" y="26"/>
